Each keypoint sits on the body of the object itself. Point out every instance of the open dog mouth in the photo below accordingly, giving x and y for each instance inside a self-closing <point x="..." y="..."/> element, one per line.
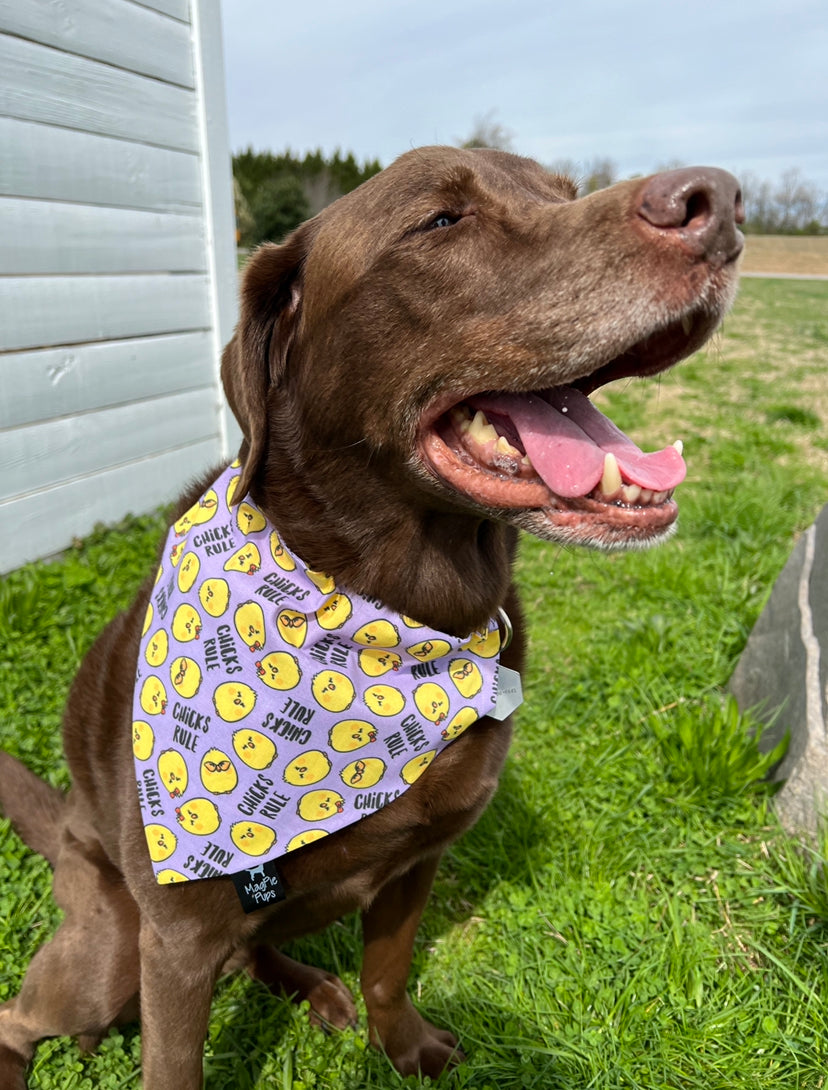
<point x="551" y="461"/>
<point x="558" y="438"/>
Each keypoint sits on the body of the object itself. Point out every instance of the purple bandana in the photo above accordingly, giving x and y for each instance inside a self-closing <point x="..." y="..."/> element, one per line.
<point x="270" y="708"/>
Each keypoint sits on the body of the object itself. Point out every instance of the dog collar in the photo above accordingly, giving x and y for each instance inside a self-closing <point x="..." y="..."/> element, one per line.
<point x="272" y="708"/>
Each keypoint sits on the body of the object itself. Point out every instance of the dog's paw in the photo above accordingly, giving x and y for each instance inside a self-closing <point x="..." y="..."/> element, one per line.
<point x="415" y="1046"/>
<point x="331" y="1004"/>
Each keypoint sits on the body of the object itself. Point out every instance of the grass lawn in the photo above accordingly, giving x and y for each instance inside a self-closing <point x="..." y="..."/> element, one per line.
<point x="627" y="914"/>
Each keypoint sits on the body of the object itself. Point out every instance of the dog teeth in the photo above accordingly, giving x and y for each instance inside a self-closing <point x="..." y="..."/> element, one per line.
<point x="503" y="446"/>
<point x="611" y="479"/>
<point x="630" y="493"/>
<point x="687" y="324"/>
<point x="481" y="430"/>
<point x="679" y="446"/>
<point x="461" y="418"/>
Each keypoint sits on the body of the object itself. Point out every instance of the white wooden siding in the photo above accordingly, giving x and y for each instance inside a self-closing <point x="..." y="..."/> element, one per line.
<point x="36" y="531"/>
<point x="117" y="262"/>
<point x="40" y="83"/>
<point x="39" y="311"/>
<point x="52" y="237"/>
<point x="80" y="378"/>
<point x="123" y="35"/>
<point x="66" y="165"/>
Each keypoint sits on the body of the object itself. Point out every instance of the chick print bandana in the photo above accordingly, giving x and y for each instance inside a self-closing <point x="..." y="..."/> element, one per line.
<point x="271" y="708"/>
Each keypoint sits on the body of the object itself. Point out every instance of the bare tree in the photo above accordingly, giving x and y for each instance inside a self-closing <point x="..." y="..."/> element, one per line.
<point x="489" y="133"/>
<point x="600" y="173"/>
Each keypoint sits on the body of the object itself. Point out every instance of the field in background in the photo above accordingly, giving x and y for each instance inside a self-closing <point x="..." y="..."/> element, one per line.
<point x="801" y="254"/>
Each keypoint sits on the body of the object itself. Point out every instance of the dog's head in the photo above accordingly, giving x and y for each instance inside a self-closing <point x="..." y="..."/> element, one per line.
<point x="414" y="363"/>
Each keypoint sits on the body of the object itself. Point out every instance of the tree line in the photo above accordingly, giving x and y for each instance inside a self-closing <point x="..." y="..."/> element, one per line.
<point x="275" y="193"/>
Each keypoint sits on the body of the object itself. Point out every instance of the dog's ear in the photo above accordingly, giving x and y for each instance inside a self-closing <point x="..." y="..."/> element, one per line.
<point x="256" y="356"/>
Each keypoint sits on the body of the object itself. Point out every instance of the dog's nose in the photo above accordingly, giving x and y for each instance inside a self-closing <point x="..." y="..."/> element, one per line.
<point x="700" y="207"/>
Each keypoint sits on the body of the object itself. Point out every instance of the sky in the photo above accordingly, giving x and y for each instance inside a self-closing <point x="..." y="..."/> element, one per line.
<point x="646" y="83"/>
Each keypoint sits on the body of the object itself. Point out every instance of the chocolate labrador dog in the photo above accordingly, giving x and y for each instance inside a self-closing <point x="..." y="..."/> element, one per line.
<point x="411" y="373"/>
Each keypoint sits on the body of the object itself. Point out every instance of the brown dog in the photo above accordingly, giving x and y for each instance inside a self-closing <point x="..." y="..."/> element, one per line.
<point x="453" y="284"/>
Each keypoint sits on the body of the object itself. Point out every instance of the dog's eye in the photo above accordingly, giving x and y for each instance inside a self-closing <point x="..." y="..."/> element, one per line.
<point x="445" y="219"/>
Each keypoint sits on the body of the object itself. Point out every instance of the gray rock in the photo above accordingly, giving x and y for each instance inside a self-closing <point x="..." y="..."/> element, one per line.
<point x="783" y="676"/>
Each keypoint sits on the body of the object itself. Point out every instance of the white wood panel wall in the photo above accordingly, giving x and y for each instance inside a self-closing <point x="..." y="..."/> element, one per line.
<point x="117" y="262"/>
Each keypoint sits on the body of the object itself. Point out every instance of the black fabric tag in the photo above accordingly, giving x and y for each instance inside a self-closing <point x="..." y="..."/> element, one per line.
<point x="259" y="887"/>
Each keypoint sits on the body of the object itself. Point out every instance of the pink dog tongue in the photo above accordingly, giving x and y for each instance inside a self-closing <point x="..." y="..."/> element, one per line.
<point x="566" y="439"/>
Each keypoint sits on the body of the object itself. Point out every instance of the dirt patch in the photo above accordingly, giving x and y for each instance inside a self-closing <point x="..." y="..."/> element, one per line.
<point x="802" y="254"/>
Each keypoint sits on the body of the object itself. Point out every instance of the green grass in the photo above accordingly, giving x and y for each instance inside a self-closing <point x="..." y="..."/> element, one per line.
<point x="627" y="915"/>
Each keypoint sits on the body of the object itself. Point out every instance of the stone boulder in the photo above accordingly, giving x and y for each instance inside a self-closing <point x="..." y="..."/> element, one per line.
<point x="783" y="676"/>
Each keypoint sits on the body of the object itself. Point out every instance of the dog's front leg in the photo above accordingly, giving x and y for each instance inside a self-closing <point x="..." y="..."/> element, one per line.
<point x="178" y="974"/>
<point x="389" y="928"/>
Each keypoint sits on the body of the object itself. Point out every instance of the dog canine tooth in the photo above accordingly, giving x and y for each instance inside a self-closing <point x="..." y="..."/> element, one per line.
<point x="481" y="430"/>
<point x="679" y="446"/>
<point x="611" y="479"/>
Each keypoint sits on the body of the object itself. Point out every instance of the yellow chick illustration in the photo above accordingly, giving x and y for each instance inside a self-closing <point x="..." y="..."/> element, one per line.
<point x="383" y="699"/>
<point x="247" y="559"/>
<point x="198" y="816"/>
<point x="409" y="622"/>
<point x="188" y="572"/>
<point x="202" y="511"/>
<point x="167" y="876"/>
<point x="333" y="690"/>
<point x="310" y="767"/>
<point x="233" y="700"/>
<point x="254" y="749"/>
<point x="231" y="490"/>
<point x="250" y="624"/>
<point x="148" y="617"/>
<point x="414" y="768"/>
<point x="351" y="734"/>
<point x="143" y="740"/>
<point x="320" y="805"/>
<point x="157" y="647"/>
<point x="176" y="552"/>
<point x="460" y="722"/>
<point x="378" y="634"/>
<point x="483" y="642"/>
<point x="362" y="774"/>
<point x="292" y="626"/>
<point x="252" y="838"/>
<point x="466" y="676"/>
<point x="153" y="697"/>
<point x="214" y="595"/>
<point x="161" y="842"/>
<point x="321" y="580"/>
<point x="218" y="773"/>
<point x="279" y="670"/>
<point x="172" y="771"/>
<point x="375" y="661"/>
<point x="302" y="839"/>
<point x="432" y="701"/>
<point x="277" y="551"/>
<point x="249" y="519"/>
<point x="185" y="675"/>
<point x="186" y="623"/>
<point x="428" y="650"/>
<point x="335" y="612"/>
